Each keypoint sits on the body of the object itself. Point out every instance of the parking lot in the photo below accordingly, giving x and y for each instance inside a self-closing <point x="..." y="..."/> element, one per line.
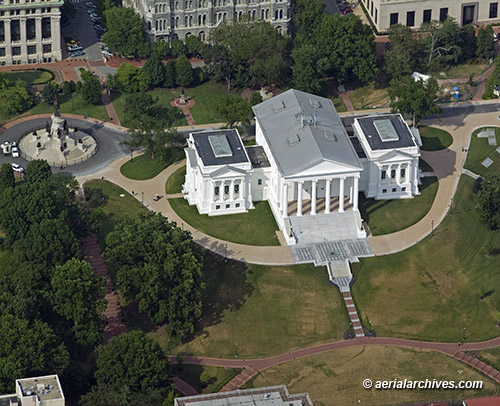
<point x="82" y="29"/>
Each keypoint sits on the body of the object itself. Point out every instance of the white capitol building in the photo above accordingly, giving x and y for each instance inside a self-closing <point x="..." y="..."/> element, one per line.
<point x="306" y="166"/>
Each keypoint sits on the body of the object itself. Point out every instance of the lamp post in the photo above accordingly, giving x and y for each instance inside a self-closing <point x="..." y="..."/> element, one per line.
<point x="142" y="200"/>
<point x="235" y="350"/>
<point x="432" y="228"/>
<point x="464" y="335"/>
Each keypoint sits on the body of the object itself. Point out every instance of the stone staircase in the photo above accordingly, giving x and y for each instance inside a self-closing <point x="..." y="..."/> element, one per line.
<point x="353" y="314"/>
<point x="112" y="314"/>
<point x="239" y="380"/>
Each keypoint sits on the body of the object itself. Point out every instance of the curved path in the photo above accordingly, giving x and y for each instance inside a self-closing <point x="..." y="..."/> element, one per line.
<point x="275" y="255"/>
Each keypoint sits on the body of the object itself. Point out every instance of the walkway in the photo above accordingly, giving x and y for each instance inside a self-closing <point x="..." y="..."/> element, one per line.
<point x="108" y="104"/>
<point x="260" y="364"/>
<point x="112" y="315"/>
<point x="274" y="255"/>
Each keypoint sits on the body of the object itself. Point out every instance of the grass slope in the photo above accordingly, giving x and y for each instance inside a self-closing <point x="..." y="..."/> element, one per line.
<point x="335" y="378"/>
<point x="389" y="216"/>
<point x="143" y="167"/>
<point x="175" y="181"/>
<point x="479" y="150"/>
<point x="432" y="290"/>
<point x="264" y="310"/>
<point x="435" y="139"/>
<point x="257" y="227"/>
<point x="218" y="377"/>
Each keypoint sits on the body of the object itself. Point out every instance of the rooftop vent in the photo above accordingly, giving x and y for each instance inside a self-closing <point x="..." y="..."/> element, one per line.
<point x="330" y="136"/>
<point x="280" y="106"/>
<point x="294" y="139"/>
<point x="315" y="103"/>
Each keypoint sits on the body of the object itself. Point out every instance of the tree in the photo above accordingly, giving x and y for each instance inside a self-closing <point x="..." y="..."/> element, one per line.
<point x="138" y="105"/>
<point x="153" y="138"/>
<point x="125" y="33"/>
<point x="184" y="71"/>
<point x="37" y="171"/>
<point x="233" y="109"/>
<point x="100" y="396"/>
<point x="76" y="296"/>
<point x="178" y="47"/>
<point x="157" y="263"/>
<point x="309" y="69"/>
<point x="131" y="79"/>
<point x="205" y="378"/>
<point x="488" y="201"/>
<point x="28" y="349"/>
<point x="49" y="92"/>
<point x="467" y="35"/>
<point x="155" y="70"/>
<point x="91" y="88"/>
<point x="170" y="74"/>
<point x="442" y="43"/>
<point x="193" y="45"/>
<point x="161" y="48"/>
<point x="6" y="177"/>
<point x="400" y="58"/>
<point x="308" y="15"/>
<point x="255" y="99"/>
<point x="132" y="360"/>
<point x="15" y="98"/>
<point x="416" y="97"/>
<point x="67" y="89"/>
<point x="485" y="44"/>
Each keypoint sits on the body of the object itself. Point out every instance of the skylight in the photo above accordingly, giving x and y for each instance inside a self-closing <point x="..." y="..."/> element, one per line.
<point x="386" y="130"/>
<point x="220" y="145"/>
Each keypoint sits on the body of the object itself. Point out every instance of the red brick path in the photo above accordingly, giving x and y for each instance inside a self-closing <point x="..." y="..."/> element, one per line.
<point x="112" y="314"/>
<point x="239" y="380"/>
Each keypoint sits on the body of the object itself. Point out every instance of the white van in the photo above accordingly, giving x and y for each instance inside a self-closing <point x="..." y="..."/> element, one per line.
<point x="6" y="148"/>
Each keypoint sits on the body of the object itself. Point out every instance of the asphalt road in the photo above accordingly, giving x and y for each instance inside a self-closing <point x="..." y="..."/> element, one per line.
<point x="108" y="142"/>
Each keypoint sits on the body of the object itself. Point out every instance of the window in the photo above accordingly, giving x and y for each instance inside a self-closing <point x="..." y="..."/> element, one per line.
<point x="443" y="14"/>
<point x="493" y="10"/>
<point x="376" y="15"/>
<point x="216" y="191"/>
<point x="31" y="49"/>
<point x="15" y="30"/>
<point x="403" y="172"/>
<point x="427" y="16"/>
<point x="410" y="18"/>
<point x="259" y="182"/>
<point x="47" y="48"/>
<point x="236" y="188"/>
<point x="16" y="50"/>
<point x="393" y="18"/>
<point x="384" y="190"/>
<point x="228" y="206"/>
<point x="30" y="29"/>
<point x="217" y="207"/>
<point x="46" y="32"/>
<point x="403" y="189"/>
<point x="394" y="190"/>
<point x="383" y="175"/>
<point x="393" y="173"/>
<point x="2" y="51"/>
<point x="2" y="31"/>
<point x="226" y="189"/>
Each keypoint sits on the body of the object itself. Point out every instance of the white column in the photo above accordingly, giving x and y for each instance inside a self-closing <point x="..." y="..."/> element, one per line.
<point x="341" y="195"/>
<point x="355" y="194"/>
<point x="212" y="191"/>
<point x="299" y="199"/>
<point x="313" y="197"/>
<point x="285" y="200"/>
<point x="221" y="191"/>
<point x="407" y="173"/>
<point x="398" y="174"/>
<point x="231" y="190"/>
<point x="327" y="195"/>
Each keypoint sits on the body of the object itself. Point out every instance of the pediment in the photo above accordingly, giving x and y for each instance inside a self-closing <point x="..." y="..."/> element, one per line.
<point x="227" y="172"/>
<point x="395" y="156"/>
<point x="325" y="168"/>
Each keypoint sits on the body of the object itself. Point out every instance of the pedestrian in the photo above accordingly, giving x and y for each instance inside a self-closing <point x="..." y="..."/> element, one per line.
<point x="133" y="194"/>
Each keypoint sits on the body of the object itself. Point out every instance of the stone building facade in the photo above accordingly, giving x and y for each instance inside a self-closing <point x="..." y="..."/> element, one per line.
<point x="384" y="13"/>
<point x="30" y="31"/>
<point x="166" y="20"/>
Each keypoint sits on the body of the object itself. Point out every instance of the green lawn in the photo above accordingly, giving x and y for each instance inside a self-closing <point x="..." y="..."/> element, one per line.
<point x="339" y="104"/>
<point x="115" y="208"/>
<point x="369" y="96"/>
<point x="465" y="70"/>
<point x="432" y="290"/>
<point x="257" y="227"/>
<point x="389" y="216"/>
<point x="143" y="167"/>
<point x="206" y="96"/>
<point x="218" y="377"/>
<point x="31" y="77"/>
<point x="434" y="139"/>
<point x="255" y="311"/>
<point x="491" y="357"/>
<point x="341" y="373"/>
<point x="175" y="181"/>
<point x="479" y="150"/>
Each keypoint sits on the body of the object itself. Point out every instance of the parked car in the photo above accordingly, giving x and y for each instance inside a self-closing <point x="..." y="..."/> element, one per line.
<point x="77" y="53"/>
<point x="73" y="42"/>
<point x="17" y="168"/>
<point x="90" y="4"/>
<point x="6" y="148"/>
<point x="15" y="152"/>
<point x="347" y="11"/>
<point x="74" y="48"/>
<point x="107" y="54"/>
<point x="13" y="144"/>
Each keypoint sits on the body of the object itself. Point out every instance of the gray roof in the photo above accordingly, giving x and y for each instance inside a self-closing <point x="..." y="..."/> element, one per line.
<point x="296" y="146"/>
<point x="257" y="156"/>
<point x="235" y="154"/>
<point x="405" y="137"/>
